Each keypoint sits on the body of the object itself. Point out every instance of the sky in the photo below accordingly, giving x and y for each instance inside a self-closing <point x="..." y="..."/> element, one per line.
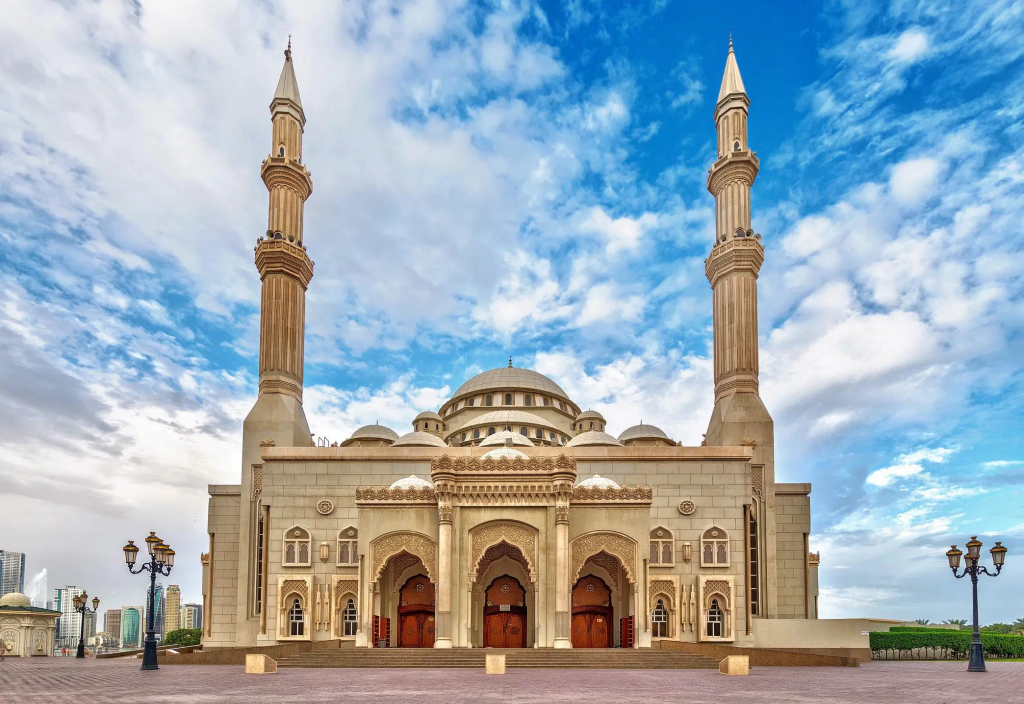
<point x="524" y="179"/>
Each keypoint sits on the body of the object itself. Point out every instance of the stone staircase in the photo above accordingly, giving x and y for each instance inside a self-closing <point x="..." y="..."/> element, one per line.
<point x="612" y="658"/>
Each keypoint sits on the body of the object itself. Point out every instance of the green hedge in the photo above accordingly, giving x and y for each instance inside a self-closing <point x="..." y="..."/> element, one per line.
<point x="916" y="629"/>
<point x="943" y="644"/>
<point x="183" y="636"/>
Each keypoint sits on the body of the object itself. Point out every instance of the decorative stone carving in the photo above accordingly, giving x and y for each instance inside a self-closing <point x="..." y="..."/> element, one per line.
<point x="39" y="641"/>
<point x="523" y="537"/>
<point x="757" y="480"/>
<point x="204" y="558"/>
<point x="609" y="563"/>
<point x="294" y="586"/>
<point x="399" y="564"/>
<point x="325" y="507"/>
<point x="561" y="514"/>
<point x="687" y="507"/>
<point x="748" y="442"/>
<point x="662" y="586"/>
<point x="444" y="463"/>
<point x="717" y="586"/>
<point x="267" y="442"/>
<point x="444" y="514"/>
<point x="814" y="559"/>
<point x="621" y="546"/>
<point x="496" y="552"/>
<point x="399" y="495"/>
<point x="384" y="547"/>
<point x="257" y="480"/>
<point x="344" y="586"/>
<point x="639" y="494"/>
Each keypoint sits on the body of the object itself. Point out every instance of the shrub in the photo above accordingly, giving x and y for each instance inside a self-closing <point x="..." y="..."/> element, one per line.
<point x="183" y="636"/>
<point x="943" y="644"/>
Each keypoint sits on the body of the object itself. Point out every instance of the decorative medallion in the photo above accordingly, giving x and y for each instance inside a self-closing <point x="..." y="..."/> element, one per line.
<point x="297" y="533"/>
<point x="589" y="587"/>
<point x="506" y="588"/>
<point x="687" y="507"/>
<point x="714" y="533"/>
<point x="351" y="532"/>
<point x="660" y="533"/>
<point x="325" y="507"/>
<point x="420" y="587"/>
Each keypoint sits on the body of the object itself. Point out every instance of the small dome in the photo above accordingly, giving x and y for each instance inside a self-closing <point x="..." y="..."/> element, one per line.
<point x="411" y="482"/>
<point x="643" y="432"/>
<point x="590" y="415"/>
<point x="375" y="431"/>
<point x="507" y="453"/>
<point x="418" y="439"/>
<point x="499" y="439"/>
<point x="598" y="482"/>
<point x="593" y="437"/>
<point x="15" y="599"/>
<point x="427" y="415"/>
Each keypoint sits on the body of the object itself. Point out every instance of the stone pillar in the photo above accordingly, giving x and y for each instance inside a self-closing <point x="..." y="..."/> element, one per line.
<point x="443" y="627"/>
<point x="563" y="616"/>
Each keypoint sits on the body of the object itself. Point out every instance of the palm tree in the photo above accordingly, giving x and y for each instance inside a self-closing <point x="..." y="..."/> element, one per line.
<point x="957" y="621"/>
<point x="1018" y="626"/>
<point x="922" y="621"/>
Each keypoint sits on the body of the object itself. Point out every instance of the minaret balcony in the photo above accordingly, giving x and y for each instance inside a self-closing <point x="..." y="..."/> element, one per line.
<point x="742" y="164"/>
<point x="283" y="172"/>
<point x="279" y="256"/>
<point x="734" y="255"/>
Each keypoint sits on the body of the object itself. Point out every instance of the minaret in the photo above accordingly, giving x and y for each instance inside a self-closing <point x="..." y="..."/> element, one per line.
<point x="285" y="271"/>
<point x="739" y="416"/>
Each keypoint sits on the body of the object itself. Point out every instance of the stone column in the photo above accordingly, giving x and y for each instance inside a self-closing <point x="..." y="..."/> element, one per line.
<point x="443" y="627"/>
<point x="562" y="614"/>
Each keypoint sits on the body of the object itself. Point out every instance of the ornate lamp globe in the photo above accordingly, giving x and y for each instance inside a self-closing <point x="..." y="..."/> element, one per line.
<point x="95" y="603"/>
<point x="160" y="551"/>
<point x="78" y="601"/>
<point x="169" y="557"/>
<point x="973" y="548"/>
<point x="998" y="554"/>
<point x="151" y="542"/>
<point x="954" y="557"/>
<point x="130" y="553"/>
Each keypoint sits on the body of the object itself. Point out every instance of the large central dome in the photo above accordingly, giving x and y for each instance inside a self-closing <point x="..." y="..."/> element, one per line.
<point x="511" y="378"/>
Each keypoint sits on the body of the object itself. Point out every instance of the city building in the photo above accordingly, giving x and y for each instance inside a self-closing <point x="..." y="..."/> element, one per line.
<point x="12" y="572"/>
<point x="509" y="516"/>
<point x="112" y="623"/>
<point x="192" y="616"/>
<point x="26" y="630"/>
<point x="160" y="614"/>
<point x="90" y="624"/>
<point x="69" y="625"/>
<point x="133" y="626"/>
<point x="173" y="610"/>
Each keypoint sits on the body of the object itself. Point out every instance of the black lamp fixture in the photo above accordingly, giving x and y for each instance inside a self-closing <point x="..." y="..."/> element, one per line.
<point x="976" y="662"/>
<point x="161" y="560"/>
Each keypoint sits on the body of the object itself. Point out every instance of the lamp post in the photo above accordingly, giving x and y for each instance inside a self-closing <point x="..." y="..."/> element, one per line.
<point x="81" y="603"/>
<point x="976" y="663"/>
<point x="161" y="560"/>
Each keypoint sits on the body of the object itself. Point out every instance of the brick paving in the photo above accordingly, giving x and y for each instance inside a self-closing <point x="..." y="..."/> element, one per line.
<point x="69" y="680"/>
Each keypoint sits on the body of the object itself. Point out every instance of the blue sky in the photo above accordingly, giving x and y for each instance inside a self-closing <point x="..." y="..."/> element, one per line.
<point x="517" y="179"/>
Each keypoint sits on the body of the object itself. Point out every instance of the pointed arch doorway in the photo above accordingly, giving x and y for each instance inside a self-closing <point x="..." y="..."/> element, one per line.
<point x="591" y="613"/>
<point x="416" y="613"/>
<point x="505" y="613"/>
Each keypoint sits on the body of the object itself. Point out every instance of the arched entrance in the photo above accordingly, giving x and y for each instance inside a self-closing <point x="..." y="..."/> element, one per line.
<point x="416" y="613"/>
<point x="505" y="614"/>
<point x="591" y="613"/>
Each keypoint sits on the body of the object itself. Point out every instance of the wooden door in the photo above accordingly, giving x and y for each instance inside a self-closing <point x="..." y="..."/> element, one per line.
<point x="416" y="613"/>
<point x="505" y="614"/>
<point x="580" y="631"/>
<point x="427" y="632"/>
<point x="494" y="633"/>
<point x="591" y="614"/>
<point x="410" y="631"/>
<point x="515" y="632"/>
<point x="599" y="632"/>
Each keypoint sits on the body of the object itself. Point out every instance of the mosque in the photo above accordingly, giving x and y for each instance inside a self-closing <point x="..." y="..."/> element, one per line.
<point x="509" y="517"/>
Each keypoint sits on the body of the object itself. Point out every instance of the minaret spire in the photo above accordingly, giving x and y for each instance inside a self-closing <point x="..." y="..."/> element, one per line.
<point x="732" y="82"/>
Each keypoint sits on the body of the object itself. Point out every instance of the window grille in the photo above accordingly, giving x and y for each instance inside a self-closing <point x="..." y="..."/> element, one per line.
<point x="296" y="620"/>
<point x="659" y="620"/>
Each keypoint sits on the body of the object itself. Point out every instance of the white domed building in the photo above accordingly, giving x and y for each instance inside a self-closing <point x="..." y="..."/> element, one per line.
<point x="26" y="630"/>
<point x="509" y="517"/>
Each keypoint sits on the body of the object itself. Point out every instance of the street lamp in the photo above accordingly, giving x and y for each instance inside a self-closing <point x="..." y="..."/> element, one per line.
<point x="161" y="560"/>
<point x="81" y="603"/>
<point x="976" y="663"/>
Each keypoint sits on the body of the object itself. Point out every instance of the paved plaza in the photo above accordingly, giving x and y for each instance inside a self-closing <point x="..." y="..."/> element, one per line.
<point x="109" y="681"/>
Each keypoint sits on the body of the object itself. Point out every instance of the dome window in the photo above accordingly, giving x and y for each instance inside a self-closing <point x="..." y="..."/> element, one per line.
<point x="524" y="431"/>
<point x="469" y="403"/>
<point x="552" y="437"/>
<point x="490" y="431"/>
<point x="540" y="434"/>
<point x="528" y="399"/>
<point x="591" y="425"/>
<point x="280" y="150"/>
<point x="547" y="401"/>
<point x="488" y="400"/>
<point x="476" y="434"/>
<point x="736" y="146"/>
<point x="463" y="437"/>
<point x="508" y="399"/>
<point x="437" y="426"/>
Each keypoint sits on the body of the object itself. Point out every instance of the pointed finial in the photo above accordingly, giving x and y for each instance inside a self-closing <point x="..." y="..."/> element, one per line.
<point x="288" y="51"/>
<point x="730" y="40"/>
<point x="510" y="362"/>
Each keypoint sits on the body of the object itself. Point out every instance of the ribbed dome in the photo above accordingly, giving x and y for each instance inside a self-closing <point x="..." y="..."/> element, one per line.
<point x="375" y="431"/>
<point x="593" y="437"/>
<point x="510" y="418"/>
<point x="499" y="439"/>
<point x="15" y="599"/>
<point x="418" y="439"/>
<point x="504" y="453"/>
<point x="643" y="432"/>
<point x="427" y="415"/>
<point x="598" y="482"/>
<point x="589" y="415"/>
<point x="411" y="482"/>
<point x="511" y="378"/>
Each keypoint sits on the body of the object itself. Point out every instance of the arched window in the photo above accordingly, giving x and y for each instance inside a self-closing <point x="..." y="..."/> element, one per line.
<point x="659" y="620"/>
<point x="552" y="437"/>
<point x="528" y="399"/>
<point x="490" y="431"/>
<point x="755" y="564"/>
<point x="716" y="620"/>
<point x="547" y="401"/>
<point x="463" y="437"/>
<point x="437" y="426"/>
<point x="662" y="547"/>
<point x="561" y="406"/>
<point x="296" y="620"/>
<point x="524" y="431"/>
<point x="508" y="399"/>
<point x="735" y="146"/>
<point x="280" y="150"/>
<point x="540" y="434"/>
<point x="470" y="402"/>
<point x="591" y="425"/>
<point x="350" y="619"/>
<point x="296" y="547"/>
<point x="488" y="400"/>
<point x="348" y="546"/>
<point x="714" y="548"/>
<point x="476" y="434"/>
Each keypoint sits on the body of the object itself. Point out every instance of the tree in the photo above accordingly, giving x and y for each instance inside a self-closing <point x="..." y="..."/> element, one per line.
<point x="922" y="621"/>
<point x="1018" y="627"/>
<point x="183" y="636"/>
<point x="957" y="621"/>
<point x="1004" y="628"/>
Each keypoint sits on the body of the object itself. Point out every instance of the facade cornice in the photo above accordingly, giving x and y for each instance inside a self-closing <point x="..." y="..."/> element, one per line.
<point x="279" y="256"/>
<point x="382" y="495"/>
<point x="627" y="495"/>
<point x="590" y="454"/>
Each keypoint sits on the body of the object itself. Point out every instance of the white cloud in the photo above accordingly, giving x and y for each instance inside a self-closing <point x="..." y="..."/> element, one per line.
<point x="910" y="46"/>
<point x="909" y="465"/>
<point x="913" y="181"/>
<point x="620" y="234"/>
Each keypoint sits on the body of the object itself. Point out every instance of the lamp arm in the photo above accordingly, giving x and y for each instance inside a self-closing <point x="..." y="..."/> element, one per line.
<point x="142" y="568"/>
<point x="999" y="569"/>
<point x="962" y="574"/>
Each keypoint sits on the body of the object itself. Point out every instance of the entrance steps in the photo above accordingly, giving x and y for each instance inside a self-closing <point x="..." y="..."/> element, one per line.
<point x="610" y="658"/>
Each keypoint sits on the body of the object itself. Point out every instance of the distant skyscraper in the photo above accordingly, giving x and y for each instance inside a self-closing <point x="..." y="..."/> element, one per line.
<point x="12" y="572"/>
<point x="132" y="627"/>
<point x="112" y="623"/>
<point x="69" y="623"/>
<point x="192" y="616"/>
<point x="173" y="613"/>
<point x="159" y="615"/>
<point x="90" y="625"/>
